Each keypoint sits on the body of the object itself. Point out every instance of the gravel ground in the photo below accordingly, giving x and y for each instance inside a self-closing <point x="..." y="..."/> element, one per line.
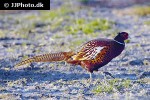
<point x="58" y="80"/>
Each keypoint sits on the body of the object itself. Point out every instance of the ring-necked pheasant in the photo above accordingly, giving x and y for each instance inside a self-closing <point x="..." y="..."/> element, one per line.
<point x="92" y="55"/>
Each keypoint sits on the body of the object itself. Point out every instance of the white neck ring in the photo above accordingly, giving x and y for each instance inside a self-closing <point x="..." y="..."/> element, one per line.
<point x="119" y="42"/>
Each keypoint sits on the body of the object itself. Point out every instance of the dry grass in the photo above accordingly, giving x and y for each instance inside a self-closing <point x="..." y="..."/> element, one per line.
<point x="137" y="10"/>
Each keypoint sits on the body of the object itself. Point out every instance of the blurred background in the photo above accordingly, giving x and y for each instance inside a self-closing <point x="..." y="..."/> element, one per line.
<point x="65" y="27"/>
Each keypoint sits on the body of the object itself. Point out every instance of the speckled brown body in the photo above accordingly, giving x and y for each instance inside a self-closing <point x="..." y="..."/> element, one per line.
<point x="111" y="50"/>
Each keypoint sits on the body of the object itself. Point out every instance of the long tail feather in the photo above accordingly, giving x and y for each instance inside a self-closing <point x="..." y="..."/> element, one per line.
<point x="62" y="56"/>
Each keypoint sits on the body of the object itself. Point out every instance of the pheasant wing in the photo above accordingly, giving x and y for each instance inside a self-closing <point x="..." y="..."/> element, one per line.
<point x="91" y="49"/>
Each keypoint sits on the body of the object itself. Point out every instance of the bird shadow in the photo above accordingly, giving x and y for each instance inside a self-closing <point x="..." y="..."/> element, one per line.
<point x="36" y="74"/>
<point x="52" y="75"/>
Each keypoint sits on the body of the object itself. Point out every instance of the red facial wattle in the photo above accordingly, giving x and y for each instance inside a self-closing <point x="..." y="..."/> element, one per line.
<point x="126" y="36"/>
